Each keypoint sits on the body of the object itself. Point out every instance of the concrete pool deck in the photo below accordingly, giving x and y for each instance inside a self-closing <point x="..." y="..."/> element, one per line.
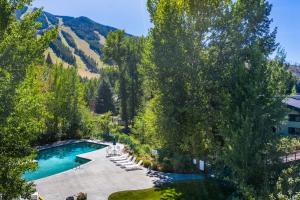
<point x="99" y="178"/>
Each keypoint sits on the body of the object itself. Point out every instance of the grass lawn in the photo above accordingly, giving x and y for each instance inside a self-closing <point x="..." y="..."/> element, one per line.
<point x="187" y="190"/>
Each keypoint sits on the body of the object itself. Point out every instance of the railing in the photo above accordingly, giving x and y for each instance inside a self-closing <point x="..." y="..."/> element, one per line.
<point x="292" y="157"/>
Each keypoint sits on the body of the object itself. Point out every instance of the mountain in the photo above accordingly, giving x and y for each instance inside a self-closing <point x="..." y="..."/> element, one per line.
<point x="80" y="41"/>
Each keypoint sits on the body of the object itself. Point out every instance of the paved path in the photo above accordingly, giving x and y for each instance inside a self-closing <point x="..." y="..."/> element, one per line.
<point x="99" y="178"/>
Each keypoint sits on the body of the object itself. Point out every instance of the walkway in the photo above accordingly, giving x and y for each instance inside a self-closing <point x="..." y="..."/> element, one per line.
<point x="99" y="178"/>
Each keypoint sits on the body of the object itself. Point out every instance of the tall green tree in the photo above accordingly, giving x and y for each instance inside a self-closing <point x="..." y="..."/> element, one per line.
<point x="20" y="49"/>
<point x="220" y="95"/>
<point x="104" y="100"/>
<point x="255" y="88"/>
<point x="177" y="69"/>
<point x="90" y="91"/>
<point x="126" y="53"/>
<point x="65" y="104"/>
<point x="115" y="50"/>
<point x="134" y="48"/>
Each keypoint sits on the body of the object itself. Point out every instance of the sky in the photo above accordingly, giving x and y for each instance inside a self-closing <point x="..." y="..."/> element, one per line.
<point x="132" y="16"/>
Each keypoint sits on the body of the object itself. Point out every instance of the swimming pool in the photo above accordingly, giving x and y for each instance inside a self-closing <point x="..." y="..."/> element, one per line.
<point x="59" y="159"/>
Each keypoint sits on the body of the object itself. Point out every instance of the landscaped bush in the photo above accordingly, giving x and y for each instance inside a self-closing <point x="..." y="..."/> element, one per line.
<point x="289" y="144"/>
<point x="132" y="143"/>
<point x="154" y="165"/>
<point x="82" y="196"/>
<point x="142" y="151"/>
<point x="147" y="163"/>
<point x="172" y="162"/>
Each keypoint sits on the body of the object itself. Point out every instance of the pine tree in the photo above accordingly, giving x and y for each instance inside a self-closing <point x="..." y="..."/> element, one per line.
<point x="104" y="100"/>
<point x="115" y="51"/>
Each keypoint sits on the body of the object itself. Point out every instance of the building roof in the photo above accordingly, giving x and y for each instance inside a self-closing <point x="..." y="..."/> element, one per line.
<point x="293" y="101"/>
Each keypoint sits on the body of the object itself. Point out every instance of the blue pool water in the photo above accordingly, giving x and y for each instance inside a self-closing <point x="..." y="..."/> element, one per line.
<point x="58" y="159"/>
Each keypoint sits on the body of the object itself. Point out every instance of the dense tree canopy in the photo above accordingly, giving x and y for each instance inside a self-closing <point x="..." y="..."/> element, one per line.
<point x="20" y="120"/>
<point x="201" y="85"/>
<point x="217" y="92"/>
<point x="104" y="100"/>
<point x="125" y="52"/>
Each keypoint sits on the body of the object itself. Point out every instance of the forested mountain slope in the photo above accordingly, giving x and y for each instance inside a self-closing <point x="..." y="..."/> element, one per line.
<point x="79" y="43"/>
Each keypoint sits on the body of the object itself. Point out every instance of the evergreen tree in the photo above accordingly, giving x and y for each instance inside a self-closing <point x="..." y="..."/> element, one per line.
<point x="134" y="50"/>
<point x="104" y="100"/>
<point x="126" y="52"/>
<point x="115" y="50"/>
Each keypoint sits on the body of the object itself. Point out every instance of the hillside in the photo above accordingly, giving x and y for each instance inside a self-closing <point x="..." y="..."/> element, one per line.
<point x="79" y="43"/>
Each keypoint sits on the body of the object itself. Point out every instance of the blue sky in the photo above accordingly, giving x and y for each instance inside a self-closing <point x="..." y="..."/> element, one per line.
<point x="132" y="16"/>
<point x="286" y="16"/>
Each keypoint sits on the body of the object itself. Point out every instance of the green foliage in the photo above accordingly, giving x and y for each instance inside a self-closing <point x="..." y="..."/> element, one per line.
<point x="91" y="91"/>
<point x="114" y="50"/>
<point x="146" y="124"/>
<point x="43" y="21"/>
<point x="102" y="126"/>
<point x="176" y="73"/>
<point x="64" y="104"/>
<point x="288" y="184"/>
<point x="104" y="100"/>
<point x="218" y="95"/>
<point x="111" y="73"/>
<point x="289" y="145"/>
<point x="125" y="52"/>
<point x="256" y="89"/>
<point x="22" y="111"/>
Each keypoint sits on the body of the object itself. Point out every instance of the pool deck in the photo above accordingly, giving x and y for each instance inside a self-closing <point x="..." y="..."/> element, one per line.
<point x="99" y="178"/>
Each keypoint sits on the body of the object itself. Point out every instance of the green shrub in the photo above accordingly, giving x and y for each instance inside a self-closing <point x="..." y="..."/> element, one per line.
<point x="154" y="165"/>
<point x="147" y="163"/>
<point x="82" y="196"/>
<point x="146" y="149"/>
<point x="166" y="165"/>
<point x="170" y="194"/>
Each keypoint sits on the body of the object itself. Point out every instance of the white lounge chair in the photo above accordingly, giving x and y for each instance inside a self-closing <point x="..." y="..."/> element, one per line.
<point x="35" y="196"/>
<point x="134" y="167"/>
<point x="124" y="160"/>
<point x="115" y="158"/>
<point x="108" y="151"/>
<point x="123" y="164"/>
<point x="118" y="148"/>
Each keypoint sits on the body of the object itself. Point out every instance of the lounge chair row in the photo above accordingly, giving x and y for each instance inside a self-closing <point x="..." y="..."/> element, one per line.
<point x="113" y="151"/>
<point x="127" y="162"/>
